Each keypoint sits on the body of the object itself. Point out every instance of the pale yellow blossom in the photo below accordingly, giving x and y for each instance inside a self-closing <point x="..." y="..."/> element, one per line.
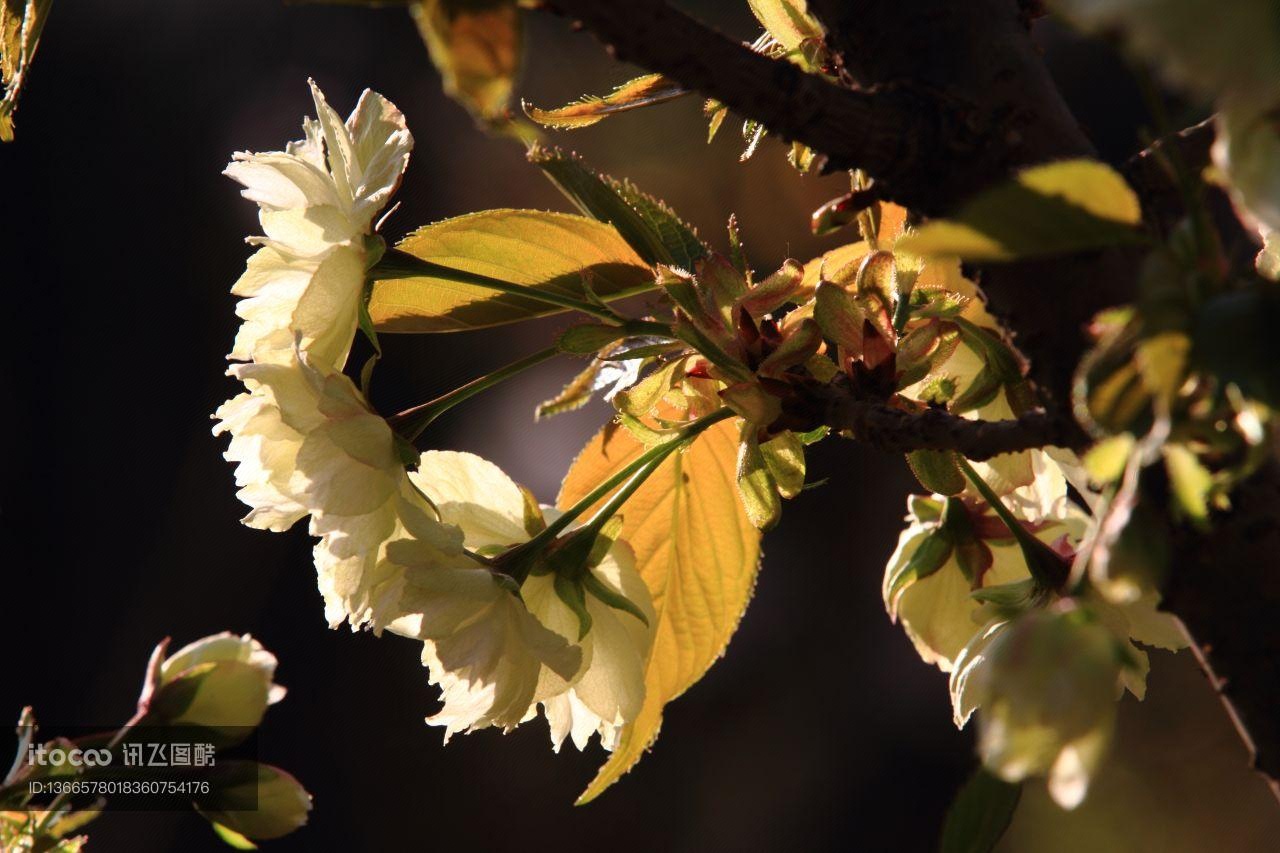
<point x="317" y="200"/>
<point x="604" y="688"/>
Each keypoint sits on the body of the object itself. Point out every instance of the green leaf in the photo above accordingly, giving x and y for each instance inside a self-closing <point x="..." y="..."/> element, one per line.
<point x="574" y="597"/>
<point x="476" y="48"/>
<point x="1107" y="459"/>
<point x="550" y="252"/>
<point x="803" y="341"/>
<point x="788" y="21"/>
<point x="773" y="292"/>
<point x="1000" y="368"/>
<point x="937" y="471"/>
<point x="597" y="375"/>
<point x="1191" y="482"/>
<point x="979" y="815"/>
<point x="784" y="454"/>
<point x="930" y="556"/>
<point x="576" y="394"/>
<point x="641" y="398"/>
<point x="254" y="800"/>
<point x="756" y="486"/>
<point x="588" y="338"/>
<point x="650" y="227"/>
<point x="721" y="284"/>
<point x="610" y="597"/>
<point x="232" y="838"/>
<point x="1055" y="209"/>
<point x="750" y="400"/>
<point x="839" y="316"/>
<point x="716" y="113"/>
<point x="586" y="111"/>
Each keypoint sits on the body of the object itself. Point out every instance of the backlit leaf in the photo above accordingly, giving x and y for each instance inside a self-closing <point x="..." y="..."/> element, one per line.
<point x="698" y="554"/>
<point x="937" y="471"/>
<point x="788" y="21"/>
<point x="784" y="454"/>
<point x="476" y="48"/>
<point x="586" y="111"/>
<point x="1190" y="482"/>
<point x="547" y="251"/>
<point x="254" y="800"/>
<point x="756" y="486"/>
<point x="1058" y="208"/>
<point x="653" y="230"/>
<point x="21" y="22"/>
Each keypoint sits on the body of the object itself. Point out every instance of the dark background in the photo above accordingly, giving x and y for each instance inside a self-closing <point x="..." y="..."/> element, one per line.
<point x="119" y="240"/>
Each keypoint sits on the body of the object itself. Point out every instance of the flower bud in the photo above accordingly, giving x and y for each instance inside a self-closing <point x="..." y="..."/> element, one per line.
<point x="221" y="682"/>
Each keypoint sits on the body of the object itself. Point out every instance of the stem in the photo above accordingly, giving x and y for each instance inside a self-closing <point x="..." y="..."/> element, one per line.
<point x="1046" y="566"/>
<point x="623" y="494"/>
<point x="411" y="422"/>
<point x="655" y="455"/>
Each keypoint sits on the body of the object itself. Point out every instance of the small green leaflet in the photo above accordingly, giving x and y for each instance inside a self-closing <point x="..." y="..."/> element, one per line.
<point x="937" y="471"/>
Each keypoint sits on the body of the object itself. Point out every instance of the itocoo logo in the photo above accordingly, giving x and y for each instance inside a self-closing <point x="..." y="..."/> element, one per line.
<point x="56" y="757"/>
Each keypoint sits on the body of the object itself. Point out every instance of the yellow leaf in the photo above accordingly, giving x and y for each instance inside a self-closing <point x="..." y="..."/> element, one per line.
<point x="1191" y="482"/>
<point x="697" y="552"/>
<point x="475" y="47"/>
<point x="1057" y="208"/>
<point x="788" y="21"/>
<point x="546" y="251"/>
<point x="1107" y="459"/>
<point x="21" y="22"/>
<point x="640" y="92"/>
<point x="828" y="263"/>
<point x="1162" y="361"/>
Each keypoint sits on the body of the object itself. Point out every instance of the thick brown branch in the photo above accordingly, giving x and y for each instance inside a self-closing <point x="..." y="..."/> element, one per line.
<point x="870" y="418"/>
<point x="888" y="131"/>
<point x="899" y="431"/>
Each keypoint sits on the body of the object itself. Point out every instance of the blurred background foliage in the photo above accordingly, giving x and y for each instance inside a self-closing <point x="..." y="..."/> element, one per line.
<point x="119" y="240"/>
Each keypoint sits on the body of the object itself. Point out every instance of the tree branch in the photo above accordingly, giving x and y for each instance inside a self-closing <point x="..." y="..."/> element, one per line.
<point x="874" y="420"/>
<point x="889" y="131"/>
<point x="899" y="431"/>
<point x="852" y="128"/>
